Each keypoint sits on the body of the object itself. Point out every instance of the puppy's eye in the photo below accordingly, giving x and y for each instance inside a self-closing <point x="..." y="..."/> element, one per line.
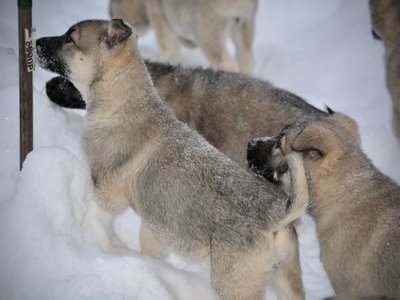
<point x="68" y="39"/>
<point x="313" y="153"/>
<point x="68" y="36"/>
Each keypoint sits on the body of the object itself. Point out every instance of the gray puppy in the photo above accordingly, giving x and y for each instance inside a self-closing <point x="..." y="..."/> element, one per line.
<point x="385" y="17"/>
<point x="228" y="109"/>
<point x="189" y="195"/>
<point x="205" y="23"/>
<point x="356" y="208"/>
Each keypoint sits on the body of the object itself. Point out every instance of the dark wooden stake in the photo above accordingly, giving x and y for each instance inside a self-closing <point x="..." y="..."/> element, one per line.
<point x="25" y="82"/>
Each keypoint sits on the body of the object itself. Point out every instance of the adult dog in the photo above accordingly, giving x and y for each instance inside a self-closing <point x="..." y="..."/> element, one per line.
<point x="385" y="17"/>
<point x="205" y="23"/>
<point x="189" y="195"/>
<point x="356" y="208"/>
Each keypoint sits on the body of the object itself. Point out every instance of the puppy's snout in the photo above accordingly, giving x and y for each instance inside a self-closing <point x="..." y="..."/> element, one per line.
<point x="257" y="142"/>
<point x="258" y="150"/>
<point x="41" y="46"/>
<point x="252" y="147"/>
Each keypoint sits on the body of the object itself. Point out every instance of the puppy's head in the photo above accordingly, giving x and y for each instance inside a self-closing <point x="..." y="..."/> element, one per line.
<point x="322" y="142"/>
<point x="81" y="53"/>
<point x="263" y="157"/>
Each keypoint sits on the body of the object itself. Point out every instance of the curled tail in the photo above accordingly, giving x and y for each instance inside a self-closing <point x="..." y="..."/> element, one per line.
<point x="295" y="183"/>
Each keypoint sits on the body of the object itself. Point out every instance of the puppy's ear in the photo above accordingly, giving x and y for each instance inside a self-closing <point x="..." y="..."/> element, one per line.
<point x="349" y="124"/>
<point x="117" y="32"/>
<point x="319" y="144"/>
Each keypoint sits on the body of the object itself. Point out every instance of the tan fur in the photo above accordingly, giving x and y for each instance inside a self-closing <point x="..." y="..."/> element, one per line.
<point x="385" y="17"/>
<point x="150" y="245"/>
<point x="295" y="185"/>
<point x="205" y="23"/>
<point x="356" y="208"/>
<point x="133" y="11"/>
<point x="189" y="195"/>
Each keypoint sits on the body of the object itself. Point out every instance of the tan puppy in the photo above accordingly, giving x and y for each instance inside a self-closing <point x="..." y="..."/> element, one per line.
<point x="189" y="195"/>
<point x="205" y="23"/>
<point x="356" y="208"/>
<point x="228" y="109"/>
<point x="385" y="16"/>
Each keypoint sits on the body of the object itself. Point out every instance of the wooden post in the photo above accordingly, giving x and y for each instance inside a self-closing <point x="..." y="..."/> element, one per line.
<point x="25" y="81"/>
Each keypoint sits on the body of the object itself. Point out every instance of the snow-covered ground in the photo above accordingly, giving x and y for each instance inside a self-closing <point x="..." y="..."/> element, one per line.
<point x="321" y="50"/>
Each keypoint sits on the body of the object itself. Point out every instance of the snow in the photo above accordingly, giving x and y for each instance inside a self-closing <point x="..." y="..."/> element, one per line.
<point x="51" y="228"/>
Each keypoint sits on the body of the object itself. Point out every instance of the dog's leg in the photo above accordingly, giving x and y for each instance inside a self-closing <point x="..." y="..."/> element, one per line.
<point x="239" y="274"/>
<point x="287" y="281"/>
<point x="166" y="38"/>
<point x="211" y="40"/>
<point x="150" y="244"/>
<point x="96" y="223"/>
<point x="242" y="35"/>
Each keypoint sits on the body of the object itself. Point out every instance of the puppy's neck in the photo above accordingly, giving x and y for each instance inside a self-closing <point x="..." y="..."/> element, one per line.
<point x="121" y="83"/>
<point x="123" y="99"/>
<point x="354" y="181"/>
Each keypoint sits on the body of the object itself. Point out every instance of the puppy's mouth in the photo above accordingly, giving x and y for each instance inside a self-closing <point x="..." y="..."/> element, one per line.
<point x="46" y="55"/>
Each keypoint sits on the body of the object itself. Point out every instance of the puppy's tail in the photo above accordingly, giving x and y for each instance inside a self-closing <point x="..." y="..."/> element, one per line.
<point x="298" y="187"/>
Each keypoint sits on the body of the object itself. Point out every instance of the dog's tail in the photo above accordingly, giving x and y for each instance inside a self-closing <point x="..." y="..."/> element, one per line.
<point x="299" y="197"/>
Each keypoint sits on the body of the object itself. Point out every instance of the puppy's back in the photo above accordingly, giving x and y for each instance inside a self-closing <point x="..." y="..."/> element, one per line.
<point x="196" y="192"/>
<point x="228" y="109"/>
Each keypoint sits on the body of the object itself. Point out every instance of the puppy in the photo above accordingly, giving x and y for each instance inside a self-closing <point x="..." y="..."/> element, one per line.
<point x="356" y="208"/>
<point x="205" y="23"/>
<point x="190" y="196"/>
<point x="228" y="109"/>
<point x="385" y="18"/>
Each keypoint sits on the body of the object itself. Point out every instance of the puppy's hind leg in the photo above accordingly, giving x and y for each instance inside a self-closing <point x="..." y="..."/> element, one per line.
<point x="287" y="281"/>
<point x="239" y="274"/>
<point x="242" y="35"/>
<point x="150" y="244"/>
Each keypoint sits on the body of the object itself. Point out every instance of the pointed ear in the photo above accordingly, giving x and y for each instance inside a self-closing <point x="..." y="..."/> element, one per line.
<point x="349" y="124"/>
<point x="319" y="143"/>
<point x="117" y="32"/>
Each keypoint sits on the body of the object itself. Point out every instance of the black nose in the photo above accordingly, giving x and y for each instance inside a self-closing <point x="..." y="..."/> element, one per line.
<point x="251" y="144"/>
<point x="251" y="149"/>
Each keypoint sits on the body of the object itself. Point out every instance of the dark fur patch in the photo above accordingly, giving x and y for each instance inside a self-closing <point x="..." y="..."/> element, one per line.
<point x="62" y="92"/>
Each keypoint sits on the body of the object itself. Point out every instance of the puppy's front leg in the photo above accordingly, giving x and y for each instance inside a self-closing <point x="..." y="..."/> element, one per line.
<point x="110" y="199"/>
<point x="96" y="224"/>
